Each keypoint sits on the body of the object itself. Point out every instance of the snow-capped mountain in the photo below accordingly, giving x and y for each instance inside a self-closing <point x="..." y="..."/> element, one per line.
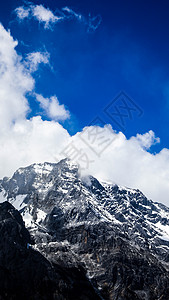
<point x="118" y="235"/>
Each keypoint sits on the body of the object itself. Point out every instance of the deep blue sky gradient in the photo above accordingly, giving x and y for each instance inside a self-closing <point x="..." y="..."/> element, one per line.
<point x="129" y="51"/>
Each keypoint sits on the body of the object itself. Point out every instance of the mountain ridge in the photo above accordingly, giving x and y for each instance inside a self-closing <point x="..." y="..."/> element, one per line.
<point x="76" y="220"/>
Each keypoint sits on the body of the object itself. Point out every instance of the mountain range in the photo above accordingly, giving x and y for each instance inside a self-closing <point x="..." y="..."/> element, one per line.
<point x="65" y="236"/>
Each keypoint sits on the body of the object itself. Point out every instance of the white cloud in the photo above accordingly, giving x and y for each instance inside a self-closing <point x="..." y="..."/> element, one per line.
<point x="125" y="161"/>
<point x="30" y="141"/>
<point x="147" y="140"/>
<point x="48" y="18"/>
<point x="44" y="15"/>
<point x="22" y="141"/>
<point x="53" y="109"/>
<point x="15" y="82"/>
<point x="38" y="12"/>
<point x="73" y="13"/>
<point x="22" y="12"/>
<point x="35" y="58"/>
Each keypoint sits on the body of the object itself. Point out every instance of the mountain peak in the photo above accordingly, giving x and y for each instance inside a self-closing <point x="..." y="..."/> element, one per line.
<point x="76" y="214"/>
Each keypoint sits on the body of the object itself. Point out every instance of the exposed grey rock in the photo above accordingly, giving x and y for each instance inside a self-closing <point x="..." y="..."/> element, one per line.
<point x="26" y="274"/>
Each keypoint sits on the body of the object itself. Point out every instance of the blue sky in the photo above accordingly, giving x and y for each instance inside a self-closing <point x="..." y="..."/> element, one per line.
<point x="63" y="65"/>
<point x="128" y="51"/>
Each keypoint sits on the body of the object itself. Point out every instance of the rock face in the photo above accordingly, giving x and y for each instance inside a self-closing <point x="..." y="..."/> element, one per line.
<point x="118" y="236"/>
<point x="26" y="274"/>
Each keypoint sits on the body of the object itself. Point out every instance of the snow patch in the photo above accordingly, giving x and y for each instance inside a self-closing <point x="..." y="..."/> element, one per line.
<point x="41" y="215"/>
<point x="18" y="202"/>
<point x="28" y="219"/>
<point x="164" y="231"/>
<point x="43" y="168"/>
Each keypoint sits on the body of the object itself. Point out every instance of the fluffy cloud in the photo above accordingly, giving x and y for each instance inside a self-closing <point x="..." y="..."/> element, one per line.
<point x="15" y="82"/>
<point x="23" y="141"/>
<point x="146" y="140"/>
<point x="124" y="161"/>
<point x="48" y="18"/>
<point x="35" y="58"/>
<point x="44" y="15"/>
<point x="22" y="12"/>
<point x="102" y="152"/>
<point x="30" y="141"/>
<point x="53" y="109"/>
<point x="39" y="13"/>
